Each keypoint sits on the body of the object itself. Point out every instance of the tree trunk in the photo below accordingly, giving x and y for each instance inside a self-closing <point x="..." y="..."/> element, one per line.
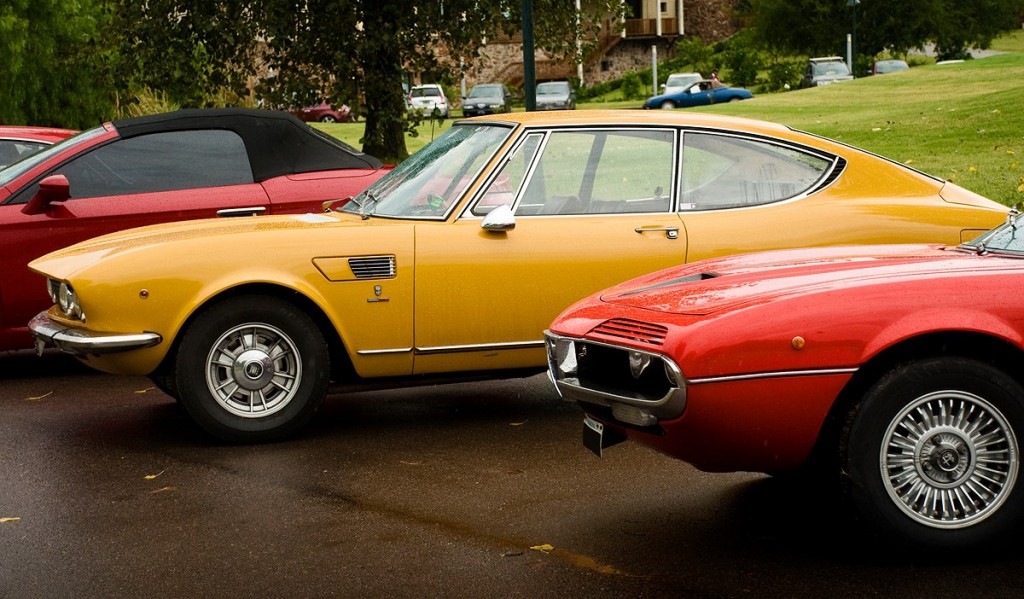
<point x="381" y="62"/>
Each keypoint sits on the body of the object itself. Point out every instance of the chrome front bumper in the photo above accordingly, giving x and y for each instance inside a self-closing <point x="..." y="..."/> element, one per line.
<point x="81" y="342"/>
<point x="629" y="401"/>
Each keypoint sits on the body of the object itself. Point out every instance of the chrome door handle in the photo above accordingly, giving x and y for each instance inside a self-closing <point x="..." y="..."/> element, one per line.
<point x="253" y="211"/>
<point x="670" y="232"/>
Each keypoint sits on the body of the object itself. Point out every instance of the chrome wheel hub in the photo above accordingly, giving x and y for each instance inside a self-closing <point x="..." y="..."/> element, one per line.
<point x="253" y="370"/>
<point x="949" y="459"/>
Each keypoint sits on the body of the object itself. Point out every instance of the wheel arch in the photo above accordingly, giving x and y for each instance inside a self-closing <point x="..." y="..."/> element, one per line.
<point x="341" y="364"/>
<point x="973" y="345"/>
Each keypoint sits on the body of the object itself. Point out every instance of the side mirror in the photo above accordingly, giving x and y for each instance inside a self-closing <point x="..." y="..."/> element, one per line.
<point x="54" y="188"/>
<point x="499" y="219"/>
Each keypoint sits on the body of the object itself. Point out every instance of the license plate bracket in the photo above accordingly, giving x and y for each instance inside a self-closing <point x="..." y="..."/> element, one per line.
<point x="597" y="438"/>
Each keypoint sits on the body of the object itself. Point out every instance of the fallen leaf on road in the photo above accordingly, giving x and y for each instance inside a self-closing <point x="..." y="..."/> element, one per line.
<point x="163" y="489"/>
<point x="38" y="397"/>
<point x="6" y="520"/>
<point x="518" y="423"/>
<point x="141" y="391"/>
<point x="152" y="476"/>
<point x="545" y="548"/>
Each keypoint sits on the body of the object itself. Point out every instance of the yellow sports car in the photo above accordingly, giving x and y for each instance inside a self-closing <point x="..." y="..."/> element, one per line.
<point x="454" y="264"/>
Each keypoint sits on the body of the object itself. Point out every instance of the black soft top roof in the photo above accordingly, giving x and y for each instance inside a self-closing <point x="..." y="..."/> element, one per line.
<point x="278" y="143"/>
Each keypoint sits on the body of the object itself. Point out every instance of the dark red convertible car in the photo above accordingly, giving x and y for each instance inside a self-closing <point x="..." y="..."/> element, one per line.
<point x="899" y="369"/>
<point x="166" y="167"/>
<point x="18" y="142"/>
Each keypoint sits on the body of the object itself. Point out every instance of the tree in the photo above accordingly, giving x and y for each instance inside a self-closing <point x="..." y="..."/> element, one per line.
<point x="190" y="50"/>
<point x="365" y="46"/>
<point x="53" y="63"/>
<point x="819" y="27"/>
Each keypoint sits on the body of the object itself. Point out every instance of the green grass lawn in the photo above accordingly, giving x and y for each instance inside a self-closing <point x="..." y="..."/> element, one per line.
<point x="961" y="122"/>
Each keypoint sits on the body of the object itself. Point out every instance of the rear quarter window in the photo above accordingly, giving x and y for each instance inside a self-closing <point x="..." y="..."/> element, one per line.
<point x="160" y="162"/>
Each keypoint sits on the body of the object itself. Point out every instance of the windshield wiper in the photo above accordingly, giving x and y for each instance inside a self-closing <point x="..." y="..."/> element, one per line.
<point x="368" y="204"/>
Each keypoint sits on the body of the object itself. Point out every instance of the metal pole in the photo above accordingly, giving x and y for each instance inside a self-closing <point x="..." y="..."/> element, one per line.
<point x="529" y="76"/>
<point x="579" y="47"/>
<point x="654" y="69"/>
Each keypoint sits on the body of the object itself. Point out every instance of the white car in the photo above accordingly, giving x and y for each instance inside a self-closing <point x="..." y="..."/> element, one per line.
<point x="680" y="82"/>
<point x="425" y="98"/>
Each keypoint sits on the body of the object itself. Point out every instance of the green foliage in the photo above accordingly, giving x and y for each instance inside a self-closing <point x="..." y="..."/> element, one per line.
<point x="819" y="27"/>
<point x="198" y="53"/>
<point x="783" y="75"/>
<point x="743" y="64"/>
<point x="632" y="86"/>
<point x="53" y="65"/>
<point x="145" y="101"/>
<point x="694" y="52"/>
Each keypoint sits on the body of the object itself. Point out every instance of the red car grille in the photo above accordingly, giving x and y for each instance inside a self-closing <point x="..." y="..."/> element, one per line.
<point x="634" y="330"/>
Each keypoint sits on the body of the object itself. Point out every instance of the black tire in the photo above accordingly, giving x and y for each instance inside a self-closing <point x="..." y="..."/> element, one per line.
<point x="328" y="119"/>
<point x="271" y="376"/>
<point x="166" y="383"/>
<point x="951" y="428"/>
<point x="667" y="105"/>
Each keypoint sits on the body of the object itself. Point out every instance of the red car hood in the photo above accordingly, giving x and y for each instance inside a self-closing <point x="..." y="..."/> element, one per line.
<point x="710" y="285"/>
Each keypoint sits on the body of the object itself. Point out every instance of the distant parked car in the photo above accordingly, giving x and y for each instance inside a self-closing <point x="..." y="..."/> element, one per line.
<point x="487" y="98"/>
<point x="160" y="168"/>
<point x="425" y="98"/>
<point x="325" y="113"/>
<point x="825" y="71"/>
<point x="889" y="66"/>
<point x="680" y="82"/>
<point x="18" y="142"/>
<point x="894" y="369"/>
<point x="701" y="93"/>
<point x="556" y="95"/>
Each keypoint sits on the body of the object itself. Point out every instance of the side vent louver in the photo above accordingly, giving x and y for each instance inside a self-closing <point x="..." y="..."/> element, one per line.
<point x="373" y="267"/>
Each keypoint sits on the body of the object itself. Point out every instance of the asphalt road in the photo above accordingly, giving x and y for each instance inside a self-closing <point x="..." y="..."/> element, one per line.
<point x="447" y="491"/>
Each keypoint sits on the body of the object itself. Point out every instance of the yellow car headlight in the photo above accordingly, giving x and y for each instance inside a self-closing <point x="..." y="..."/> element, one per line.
<point x="68" y="301"/>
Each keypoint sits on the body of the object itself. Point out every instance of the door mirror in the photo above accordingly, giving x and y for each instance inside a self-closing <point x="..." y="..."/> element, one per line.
<point x="499" y="219"/>
<point x="54" y="188"/>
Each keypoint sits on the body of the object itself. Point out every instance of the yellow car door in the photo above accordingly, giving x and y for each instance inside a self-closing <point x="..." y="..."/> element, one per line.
<point x="591" y="208"/>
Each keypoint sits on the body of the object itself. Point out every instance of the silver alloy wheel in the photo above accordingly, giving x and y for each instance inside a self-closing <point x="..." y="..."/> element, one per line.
<point x="253" y="370"/>
<point x="949" y="459"/>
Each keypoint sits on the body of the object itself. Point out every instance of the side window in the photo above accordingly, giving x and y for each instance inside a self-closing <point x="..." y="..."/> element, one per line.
<point x="719" y="171"/>
<point x="506" y="184"/>
<point x="601" y="172"/>
<point x="160" y="162"/>
<point x="13" y="150"/>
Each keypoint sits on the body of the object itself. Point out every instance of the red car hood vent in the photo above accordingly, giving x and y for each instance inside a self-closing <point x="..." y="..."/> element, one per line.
<point x="704" y="287"/>
<point x="634" y="330"/>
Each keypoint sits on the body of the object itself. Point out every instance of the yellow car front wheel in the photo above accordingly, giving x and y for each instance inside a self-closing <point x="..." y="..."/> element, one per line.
<point x="252" y="368"/>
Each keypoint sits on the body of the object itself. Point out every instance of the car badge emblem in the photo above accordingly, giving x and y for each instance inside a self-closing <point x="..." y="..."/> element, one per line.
<point x="377" y="299"/>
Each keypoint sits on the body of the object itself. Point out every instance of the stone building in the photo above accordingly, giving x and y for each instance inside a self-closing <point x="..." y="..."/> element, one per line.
<point x="618" y="46"/>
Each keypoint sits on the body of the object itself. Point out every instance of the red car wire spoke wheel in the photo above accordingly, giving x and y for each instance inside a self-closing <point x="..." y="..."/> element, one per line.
<point x="933" y="455"/>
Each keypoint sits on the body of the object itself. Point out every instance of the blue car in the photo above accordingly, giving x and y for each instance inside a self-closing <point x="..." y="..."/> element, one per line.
<point x="700" y="93"/>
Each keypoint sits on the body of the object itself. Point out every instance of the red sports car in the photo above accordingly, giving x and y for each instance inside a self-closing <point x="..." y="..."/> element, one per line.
<point x="167" y="167"/>
<point x="17" y="142"/>
<point x="899" y="368"/>
<point x="325" y="113"/>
